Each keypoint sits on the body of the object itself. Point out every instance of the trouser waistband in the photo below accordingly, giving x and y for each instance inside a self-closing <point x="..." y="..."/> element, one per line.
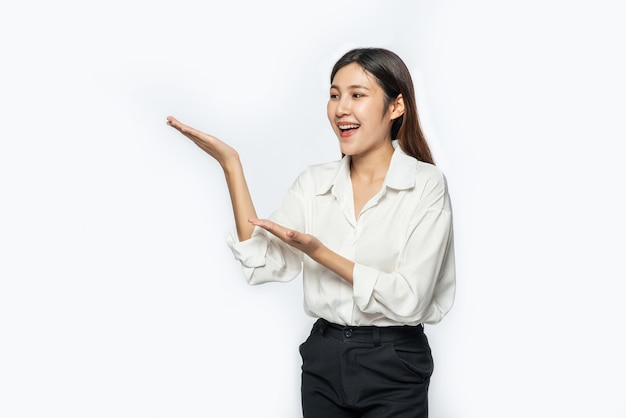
<point x="371" y="334"/>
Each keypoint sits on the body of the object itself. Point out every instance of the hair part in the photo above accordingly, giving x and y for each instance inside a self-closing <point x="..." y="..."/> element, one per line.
<point x="394" y="78"/>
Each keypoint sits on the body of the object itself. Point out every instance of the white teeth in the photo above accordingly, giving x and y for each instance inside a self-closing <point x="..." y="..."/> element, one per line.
<point x="344" y="127"/>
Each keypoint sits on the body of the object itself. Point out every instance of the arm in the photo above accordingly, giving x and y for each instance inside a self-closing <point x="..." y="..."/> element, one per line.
<point x="421" y="287"/>
<point x="228" y="158"/>
<point x="311" y="246"/>
<point x="418" y="283"/>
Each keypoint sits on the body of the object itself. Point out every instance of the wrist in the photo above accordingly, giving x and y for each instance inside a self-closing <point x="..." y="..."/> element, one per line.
<point x="231" y="164"/>
<point x="319" y="253"/>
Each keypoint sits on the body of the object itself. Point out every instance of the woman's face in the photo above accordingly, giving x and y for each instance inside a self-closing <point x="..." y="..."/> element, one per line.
<point x="357" y="113"/>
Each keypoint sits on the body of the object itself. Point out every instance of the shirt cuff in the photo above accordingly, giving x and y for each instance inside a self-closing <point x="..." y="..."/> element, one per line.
<point x="251" y="252"/>
<point x="363" y="281"/>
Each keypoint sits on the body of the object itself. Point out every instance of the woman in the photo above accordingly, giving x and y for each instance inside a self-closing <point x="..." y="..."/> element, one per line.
<point x="372" y="236"/>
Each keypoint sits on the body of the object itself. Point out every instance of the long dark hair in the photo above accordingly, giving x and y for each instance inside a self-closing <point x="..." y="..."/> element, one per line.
<point x="394" y="78"/>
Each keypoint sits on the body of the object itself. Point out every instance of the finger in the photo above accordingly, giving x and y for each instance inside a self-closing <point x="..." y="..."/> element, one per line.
<point x="172" y="121"/>
<point x="191" y="133"/>
<point x="184" y="129"/>
<point x="263" y="223"/>
<point x="176" y="124"/>
<point x="270" y="226"/>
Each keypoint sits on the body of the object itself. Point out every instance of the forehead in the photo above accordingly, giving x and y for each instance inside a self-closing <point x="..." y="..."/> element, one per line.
<point x="353" y="75"/>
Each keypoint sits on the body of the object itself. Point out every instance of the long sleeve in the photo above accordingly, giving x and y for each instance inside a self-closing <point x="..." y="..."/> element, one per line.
<point x="421" y="287"/>
<point x="265" y="258"/>
<point x="401" y="244"/>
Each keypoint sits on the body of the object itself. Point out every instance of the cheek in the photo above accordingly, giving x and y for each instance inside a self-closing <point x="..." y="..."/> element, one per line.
<point x="364" y="110"/>
<point x="330" y="111"/>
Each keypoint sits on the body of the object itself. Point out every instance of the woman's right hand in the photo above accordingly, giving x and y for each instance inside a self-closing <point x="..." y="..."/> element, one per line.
<point x="222" y="152"/>
<point x="228" y="157"/>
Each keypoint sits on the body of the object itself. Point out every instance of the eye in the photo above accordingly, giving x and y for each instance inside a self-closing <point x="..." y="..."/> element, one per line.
<point x="334" y="96"/>
<point x="358" y="95"/>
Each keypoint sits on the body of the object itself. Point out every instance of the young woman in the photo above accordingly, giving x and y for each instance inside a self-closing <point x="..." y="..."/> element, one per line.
<point x="371" y="234"/>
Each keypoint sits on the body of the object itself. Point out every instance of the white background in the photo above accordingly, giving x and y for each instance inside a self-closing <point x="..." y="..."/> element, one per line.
<point x="118" y="295"/>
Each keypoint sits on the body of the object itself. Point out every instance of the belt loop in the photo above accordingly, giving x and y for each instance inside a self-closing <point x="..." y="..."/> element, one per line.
<point x="376" y="335"/>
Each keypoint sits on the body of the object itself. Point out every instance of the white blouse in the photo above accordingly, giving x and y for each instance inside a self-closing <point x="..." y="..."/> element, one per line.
<point x="401" y="244"/>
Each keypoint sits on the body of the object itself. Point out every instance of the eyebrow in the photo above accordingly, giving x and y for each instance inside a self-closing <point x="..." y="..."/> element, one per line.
<point x="353" y="86"/>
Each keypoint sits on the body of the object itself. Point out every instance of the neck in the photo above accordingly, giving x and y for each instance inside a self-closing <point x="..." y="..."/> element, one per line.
<point x="372" y="166"/>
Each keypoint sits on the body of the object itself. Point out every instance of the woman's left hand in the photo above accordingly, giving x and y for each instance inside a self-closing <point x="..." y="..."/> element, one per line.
<point x="306" y="243"/>
<point x="311" y="246"/>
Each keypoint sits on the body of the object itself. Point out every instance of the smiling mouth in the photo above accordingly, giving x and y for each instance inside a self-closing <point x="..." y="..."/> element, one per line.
<point x="347" y="128"/>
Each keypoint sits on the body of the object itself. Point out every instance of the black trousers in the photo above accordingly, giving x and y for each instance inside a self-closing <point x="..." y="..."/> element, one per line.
<point x="367" y="372"/>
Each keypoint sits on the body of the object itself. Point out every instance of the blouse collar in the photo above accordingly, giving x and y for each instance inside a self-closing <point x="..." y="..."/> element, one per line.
<point x="400" y="175"/>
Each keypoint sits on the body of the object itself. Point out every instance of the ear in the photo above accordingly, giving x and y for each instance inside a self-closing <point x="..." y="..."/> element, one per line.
<point x="397" y="107"/>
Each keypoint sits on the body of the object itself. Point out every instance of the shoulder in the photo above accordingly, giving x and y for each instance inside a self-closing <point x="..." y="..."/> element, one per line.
<point x="323" y="170"/>
<point x="431" y="187"/>
<point x="318" y="178"/>
<point x="407" y="172"/>
<point x="431" y="179"/>
<point x="429" y="173"/>
<point x="424" y="182"/>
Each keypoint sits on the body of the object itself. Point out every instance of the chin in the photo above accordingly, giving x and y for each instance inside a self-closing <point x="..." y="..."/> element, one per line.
<point x="347" y="147"/>
<point x="346" y="150"/>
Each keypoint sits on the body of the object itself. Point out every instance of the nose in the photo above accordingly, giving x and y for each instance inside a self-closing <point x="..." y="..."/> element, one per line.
<point x="343" y="106"/>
